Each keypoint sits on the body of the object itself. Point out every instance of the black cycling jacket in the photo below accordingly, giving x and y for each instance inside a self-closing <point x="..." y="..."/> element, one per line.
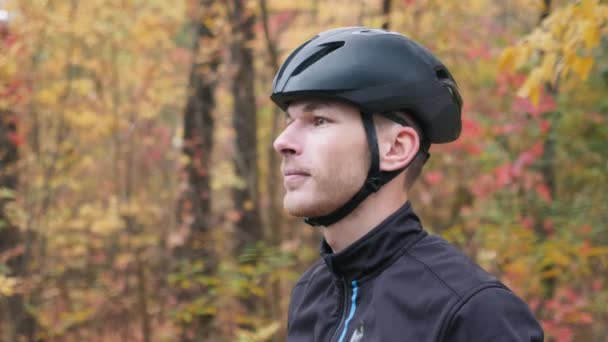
<point x="398" y="283"/>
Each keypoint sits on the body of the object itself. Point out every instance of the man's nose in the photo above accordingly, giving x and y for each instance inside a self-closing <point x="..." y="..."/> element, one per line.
<point x="286" y="143"/>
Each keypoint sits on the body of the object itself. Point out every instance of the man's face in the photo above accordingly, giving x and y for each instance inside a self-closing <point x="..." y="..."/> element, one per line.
<point x="325" y="156"/>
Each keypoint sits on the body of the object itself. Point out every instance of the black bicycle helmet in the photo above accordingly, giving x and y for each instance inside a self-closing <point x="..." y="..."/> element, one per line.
<point x="379" y="72"/>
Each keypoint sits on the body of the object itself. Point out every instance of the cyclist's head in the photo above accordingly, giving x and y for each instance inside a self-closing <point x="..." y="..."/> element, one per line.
<point x="374" y="72"/>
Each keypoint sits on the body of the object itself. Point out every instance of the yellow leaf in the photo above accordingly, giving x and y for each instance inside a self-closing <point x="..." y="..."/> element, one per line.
<point x="517" y="268"/>
<point x="532" y="87"/>
<point x="582" y="67"/>
<point x="558" y="28"/>
<point x="598" y="251"/>
<point x="257" y="291"/>
<point x="83" y="86"/>
<point x="506" y="60"/>
<point x="7" y="69"/>
<point x="547" y="67"/>
<point x="7" y="286"/>
<point x="591" y="34"/>
<point x="522" y="55"/>
<point x="107" y="225"/>
<point x="248" y="205"/>
<point x="587" y="7"/>
<point x="47" y="97"/>
<point x="247" y="269"/>
<point x="82" y="118"/>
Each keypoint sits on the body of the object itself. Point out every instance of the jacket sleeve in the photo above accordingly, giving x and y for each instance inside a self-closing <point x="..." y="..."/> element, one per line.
<point x="494" y="314"/>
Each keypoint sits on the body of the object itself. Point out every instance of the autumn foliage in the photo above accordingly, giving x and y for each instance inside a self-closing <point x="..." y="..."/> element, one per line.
<point x="122" y="221"/>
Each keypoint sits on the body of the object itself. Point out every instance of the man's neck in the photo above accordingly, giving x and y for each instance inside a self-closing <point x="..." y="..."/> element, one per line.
<point x="375" y="209"/>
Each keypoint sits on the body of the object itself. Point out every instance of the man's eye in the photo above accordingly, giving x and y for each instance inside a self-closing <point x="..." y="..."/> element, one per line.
<point x="320" y="121"/>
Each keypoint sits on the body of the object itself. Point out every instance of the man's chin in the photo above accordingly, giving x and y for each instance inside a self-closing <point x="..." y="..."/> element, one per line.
<point x="301" y="208"/>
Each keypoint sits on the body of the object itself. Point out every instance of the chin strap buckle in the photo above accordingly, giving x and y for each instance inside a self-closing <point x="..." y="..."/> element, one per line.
<point x="374" y="183"/>
<point x="313" y="221"/>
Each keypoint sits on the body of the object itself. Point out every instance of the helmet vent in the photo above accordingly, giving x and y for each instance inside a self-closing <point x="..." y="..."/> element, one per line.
<point x="442" y="74"/>
<point x="326" y="50"/>
<point x="292" y="55"/>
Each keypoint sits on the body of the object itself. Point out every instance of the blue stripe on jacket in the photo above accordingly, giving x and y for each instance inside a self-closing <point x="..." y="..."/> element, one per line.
<point x="353" y="308"/>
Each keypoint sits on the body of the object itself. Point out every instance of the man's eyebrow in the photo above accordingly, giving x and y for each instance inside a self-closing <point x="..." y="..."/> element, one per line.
<point x="309" y="107"/>
<point x="312" y="106"/>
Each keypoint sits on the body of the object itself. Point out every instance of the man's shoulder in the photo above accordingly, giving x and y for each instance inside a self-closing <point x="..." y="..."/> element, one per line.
<point x="480" y="297"/>
<point x="452" y="267"/>
<point x="494" y="314"/>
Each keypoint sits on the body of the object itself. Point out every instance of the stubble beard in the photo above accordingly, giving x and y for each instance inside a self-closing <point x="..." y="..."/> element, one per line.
<point x="326" y="191"/>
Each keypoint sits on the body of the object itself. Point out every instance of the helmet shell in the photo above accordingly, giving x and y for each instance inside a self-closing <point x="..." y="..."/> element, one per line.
<point x="377" y="71"/>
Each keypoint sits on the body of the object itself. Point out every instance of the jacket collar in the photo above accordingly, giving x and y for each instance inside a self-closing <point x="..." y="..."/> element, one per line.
<point x="377" y="249"/>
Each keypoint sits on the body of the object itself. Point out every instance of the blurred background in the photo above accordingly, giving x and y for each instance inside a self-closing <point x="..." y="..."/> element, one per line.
<point x="140" y="199"/>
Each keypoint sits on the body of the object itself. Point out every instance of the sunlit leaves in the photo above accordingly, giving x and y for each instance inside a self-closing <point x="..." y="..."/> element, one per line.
<point x="561" y="47"/>
<point x="7" y="286"/>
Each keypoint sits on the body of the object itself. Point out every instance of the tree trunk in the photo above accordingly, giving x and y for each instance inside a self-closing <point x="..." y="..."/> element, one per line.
<point x="274" y="230"/>
<point x="198" y="138"/>
<point x="142" y="297"/>
<point x="386" y="14"/>
<point x="194" y="207"/>
<point x="548" y="171"/>
<point x="248" y="228"/>
<point x="273" y="177"/>
<point x="22" y="325"/>
<point x="244" y="121"/>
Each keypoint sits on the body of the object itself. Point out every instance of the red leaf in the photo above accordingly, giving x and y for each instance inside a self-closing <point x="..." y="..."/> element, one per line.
<point x="543" y="191"/>
<point x="537" y="149"/>
<point x="155" y="155"/>
<point x="546" y="104"/>
<point x="544" y="126"/>
<point x="15" y="139"/>
<point x="504" y="175"/>
<point x="479" y="52"/>
<point x="471" y="128"/>
<point x="585" y="318"/>
<point x="596" y="117"/>
<point x="434" y="177"/>
<point x="505" y="129"/>
<point x="527" y="222"/>
<point x="586" y="229"/>
<point x="482" y="186"/>
<point x="548" y="225"/>
<point x="473" y="149"/>
<point x="524" y="105"/>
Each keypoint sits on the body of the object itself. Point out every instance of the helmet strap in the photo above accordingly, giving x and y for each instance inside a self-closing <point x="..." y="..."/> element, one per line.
<point x="375" y="178"/>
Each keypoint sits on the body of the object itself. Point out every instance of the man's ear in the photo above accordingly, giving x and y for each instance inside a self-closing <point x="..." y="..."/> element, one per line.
<point x="398" y="145"/>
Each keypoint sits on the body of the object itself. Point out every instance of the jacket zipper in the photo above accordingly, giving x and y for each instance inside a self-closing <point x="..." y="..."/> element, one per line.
<point x="344" y="289"/>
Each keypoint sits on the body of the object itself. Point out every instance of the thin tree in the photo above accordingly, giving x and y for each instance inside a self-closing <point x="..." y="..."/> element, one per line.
<point x="194" y="207"/>
<point x="21" y="324"/>
<point x="386" y="14"/>
<point x="248" y="229"/>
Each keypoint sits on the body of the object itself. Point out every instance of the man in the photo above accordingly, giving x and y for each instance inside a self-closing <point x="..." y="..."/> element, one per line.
<point x="363" y="107"/>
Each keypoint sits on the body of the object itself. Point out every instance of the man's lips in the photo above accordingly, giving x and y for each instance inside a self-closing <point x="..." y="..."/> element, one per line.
<point x="295" y="173"/>
<point x="293" y="177"/>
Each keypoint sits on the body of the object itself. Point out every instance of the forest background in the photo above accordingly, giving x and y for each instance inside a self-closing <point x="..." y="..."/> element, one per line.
<point x="140" y="198"/>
